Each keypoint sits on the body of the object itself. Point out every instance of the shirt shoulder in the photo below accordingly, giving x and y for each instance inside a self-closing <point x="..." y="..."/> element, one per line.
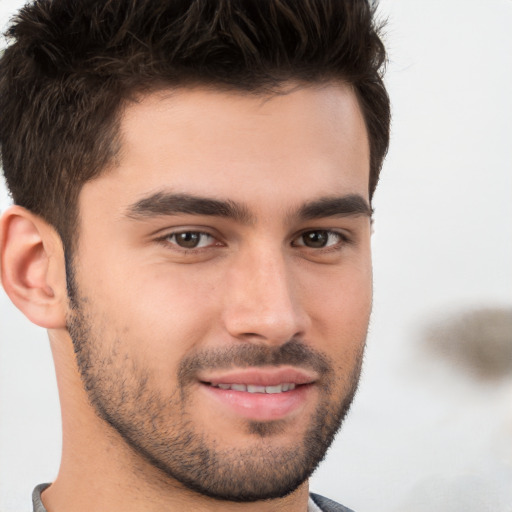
<point x="327" y="505"/>
<point x="36" y="498"/>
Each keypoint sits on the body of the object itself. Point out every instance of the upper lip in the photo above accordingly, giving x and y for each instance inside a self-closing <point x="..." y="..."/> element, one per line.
<point x="261" y="376"/>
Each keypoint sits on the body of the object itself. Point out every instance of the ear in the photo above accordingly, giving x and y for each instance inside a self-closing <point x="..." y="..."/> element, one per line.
<point x="32" y="267"/>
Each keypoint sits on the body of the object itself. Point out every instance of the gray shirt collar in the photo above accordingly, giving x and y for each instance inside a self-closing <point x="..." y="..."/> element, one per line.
<point x="36" y="498"/>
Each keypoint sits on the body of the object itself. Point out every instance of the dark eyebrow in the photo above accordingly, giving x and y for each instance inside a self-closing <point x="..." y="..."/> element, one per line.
<point x="344" y="206"/>
<point x="163" y="203"/>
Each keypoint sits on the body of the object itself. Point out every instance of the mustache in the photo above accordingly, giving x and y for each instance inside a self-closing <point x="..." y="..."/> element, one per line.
<point x="292" y="353"/>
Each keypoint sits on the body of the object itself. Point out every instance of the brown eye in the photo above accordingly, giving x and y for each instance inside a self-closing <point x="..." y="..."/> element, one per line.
<point x="190" y="239"/>
<point x="318" y="239"/>
<point x="315" y="239"/>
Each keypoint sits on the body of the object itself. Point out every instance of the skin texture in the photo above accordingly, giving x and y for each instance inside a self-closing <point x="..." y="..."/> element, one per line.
<point x="150" y="322"/>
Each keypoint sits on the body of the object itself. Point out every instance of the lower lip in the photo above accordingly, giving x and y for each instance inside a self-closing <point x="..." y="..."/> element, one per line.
<point x="261" y="406"/>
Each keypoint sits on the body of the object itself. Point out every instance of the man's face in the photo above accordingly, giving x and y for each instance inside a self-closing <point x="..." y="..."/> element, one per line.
<point x="221" y="286"/>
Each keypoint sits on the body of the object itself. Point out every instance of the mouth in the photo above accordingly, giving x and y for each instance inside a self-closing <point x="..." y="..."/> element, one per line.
<point x="260" y="394"/>
<point x="251" y="388"/>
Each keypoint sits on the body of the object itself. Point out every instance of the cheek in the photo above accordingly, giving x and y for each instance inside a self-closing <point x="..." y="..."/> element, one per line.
<point x="340" y="304"/>
<point x="160" y="312"/>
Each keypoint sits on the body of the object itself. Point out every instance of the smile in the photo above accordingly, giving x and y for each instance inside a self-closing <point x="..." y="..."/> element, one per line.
<point x="260" y="394"/>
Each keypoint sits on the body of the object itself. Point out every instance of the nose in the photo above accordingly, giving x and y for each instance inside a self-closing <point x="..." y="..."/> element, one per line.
<point x="263" y="302"/>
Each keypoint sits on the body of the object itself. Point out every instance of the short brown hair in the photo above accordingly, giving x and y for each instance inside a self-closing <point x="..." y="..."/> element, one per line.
<point x="71" y="64"/>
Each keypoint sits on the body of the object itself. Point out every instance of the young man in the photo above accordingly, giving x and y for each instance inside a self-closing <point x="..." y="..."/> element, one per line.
<point x="192" y="184"/>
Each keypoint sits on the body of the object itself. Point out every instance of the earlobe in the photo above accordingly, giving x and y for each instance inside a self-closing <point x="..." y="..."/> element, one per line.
<point x="32" y="267"/>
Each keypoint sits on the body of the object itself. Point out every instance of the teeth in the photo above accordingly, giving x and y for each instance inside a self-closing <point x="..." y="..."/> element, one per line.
<point x="250" y="388"/>
<point x="274" y="389"/>
<point x="256" y="389"/>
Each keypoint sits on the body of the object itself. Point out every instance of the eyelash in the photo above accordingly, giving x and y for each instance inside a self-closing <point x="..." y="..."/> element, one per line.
<point x="341" y="240"/>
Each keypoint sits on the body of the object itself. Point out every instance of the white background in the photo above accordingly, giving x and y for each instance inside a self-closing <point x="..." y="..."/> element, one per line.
<point x="422" y="435"/>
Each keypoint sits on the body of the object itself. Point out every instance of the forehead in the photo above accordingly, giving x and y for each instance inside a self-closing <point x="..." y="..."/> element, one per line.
<point x="305" y="141"/>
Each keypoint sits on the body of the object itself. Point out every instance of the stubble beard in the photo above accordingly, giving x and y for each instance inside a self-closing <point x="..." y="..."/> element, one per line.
<point x="159" y="429"/>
